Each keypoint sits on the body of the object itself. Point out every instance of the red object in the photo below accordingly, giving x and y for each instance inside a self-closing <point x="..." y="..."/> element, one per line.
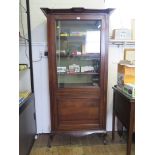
<point x="74" y="52"/>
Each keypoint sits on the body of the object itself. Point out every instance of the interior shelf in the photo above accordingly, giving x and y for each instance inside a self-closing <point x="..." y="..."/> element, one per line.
<point x="71" y="37"/>
<point x="79" y="73"/>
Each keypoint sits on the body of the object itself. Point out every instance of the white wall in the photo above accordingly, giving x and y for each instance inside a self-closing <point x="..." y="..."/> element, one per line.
<point x="41" y="89"/>
<point x="39" y="45"/>
<point x="35" y="6"/>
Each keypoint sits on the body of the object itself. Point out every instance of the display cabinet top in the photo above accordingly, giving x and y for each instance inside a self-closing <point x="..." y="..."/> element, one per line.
<point x="47" y="11"/>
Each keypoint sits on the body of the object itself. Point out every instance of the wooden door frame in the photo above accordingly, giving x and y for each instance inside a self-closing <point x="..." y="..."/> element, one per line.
<point x="52" y="63"/>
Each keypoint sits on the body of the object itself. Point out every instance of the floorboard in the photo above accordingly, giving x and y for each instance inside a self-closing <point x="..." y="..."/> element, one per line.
<point x="87" y="145"/>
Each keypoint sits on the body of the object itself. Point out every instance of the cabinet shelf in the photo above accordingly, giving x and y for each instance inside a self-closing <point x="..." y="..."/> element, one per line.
<point x="71" y="37"/>
<point x="89" y="55"/>
<point x="79" y="73"/>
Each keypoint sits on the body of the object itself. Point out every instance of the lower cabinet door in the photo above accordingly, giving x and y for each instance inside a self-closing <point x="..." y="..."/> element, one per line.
<point x="78" y="114"/>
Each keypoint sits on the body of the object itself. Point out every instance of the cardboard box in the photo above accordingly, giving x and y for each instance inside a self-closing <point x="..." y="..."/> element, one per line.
<point x="121" y="34"/>
<point x="129" y="54"/>
<point x="126" y="74"/>
<point x="61" y="69"/>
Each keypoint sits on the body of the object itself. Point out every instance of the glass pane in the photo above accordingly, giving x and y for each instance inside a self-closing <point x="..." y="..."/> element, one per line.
<point x="78" y="53"/>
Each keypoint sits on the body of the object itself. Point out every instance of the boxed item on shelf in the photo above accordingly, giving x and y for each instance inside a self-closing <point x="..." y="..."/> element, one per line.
<point x="75" y="53"/>
<point x="129" y="54"/>
<point x="121" y="34"/>
<point x="64" y="34"/>
<point x="87" y="69"/>
<point x="77" y="33"/>
<point x="74" y="68"/>
<point x="129" y="89"/>
<point x="126" y="74"/>
<point x="61" y="52"/>
<point x="61" y="69"/>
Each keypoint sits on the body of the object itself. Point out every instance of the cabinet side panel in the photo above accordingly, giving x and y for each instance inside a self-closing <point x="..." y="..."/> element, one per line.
<point x="52" y="68"/>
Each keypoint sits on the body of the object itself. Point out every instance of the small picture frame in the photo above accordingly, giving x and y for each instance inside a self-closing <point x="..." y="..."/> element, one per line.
<point x="129" y="54"/>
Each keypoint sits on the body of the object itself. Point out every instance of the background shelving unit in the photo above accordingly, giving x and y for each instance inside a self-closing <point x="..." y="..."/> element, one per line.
<point x="27" y="116"/>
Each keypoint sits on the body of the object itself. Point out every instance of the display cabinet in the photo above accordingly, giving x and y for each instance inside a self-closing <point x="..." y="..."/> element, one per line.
<point x="78" y="68"/>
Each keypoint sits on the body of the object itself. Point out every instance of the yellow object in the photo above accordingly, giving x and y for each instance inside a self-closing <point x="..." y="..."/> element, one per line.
<point x="24" y="94"/>
<point x="126" y="74"/>
<point x="23" y="67"/>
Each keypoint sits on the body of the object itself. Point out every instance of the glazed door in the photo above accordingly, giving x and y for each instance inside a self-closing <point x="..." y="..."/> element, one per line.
<point x="79" y="67"/>
<point x="78" y="53"/>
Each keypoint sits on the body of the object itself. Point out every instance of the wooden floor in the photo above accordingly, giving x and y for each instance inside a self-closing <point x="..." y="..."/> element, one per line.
<point x="87" y="145"/>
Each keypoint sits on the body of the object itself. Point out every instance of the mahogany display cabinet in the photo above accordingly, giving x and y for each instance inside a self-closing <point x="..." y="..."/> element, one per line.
<point x="78" y="69"/>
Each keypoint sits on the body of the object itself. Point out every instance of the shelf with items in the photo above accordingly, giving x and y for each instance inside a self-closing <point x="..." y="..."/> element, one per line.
<point x="79" y="69"/>
<point x="76" y="75"/>
<point x="70" y="34"/>
<point x="121" y="42"/>
<point x="87" y="56"/>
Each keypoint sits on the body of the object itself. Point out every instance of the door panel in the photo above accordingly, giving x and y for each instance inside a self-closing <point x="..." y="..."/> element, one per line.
<point x="78" y="109"/>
